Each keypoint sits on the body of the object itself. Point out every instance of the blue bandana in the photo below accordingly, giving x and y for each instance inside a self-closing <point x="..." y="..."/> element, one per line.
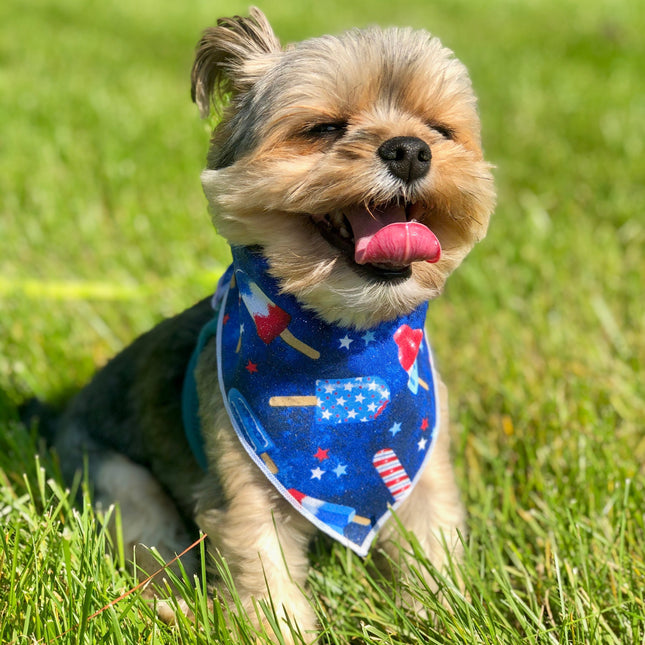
<point x="340" y="421"/>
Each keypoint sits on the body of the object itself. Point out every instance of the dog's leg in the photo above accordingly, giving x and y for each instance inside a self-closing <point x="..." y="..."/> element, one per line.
<point x="148" y="515"/>
<point x="149" y="518"/>
<point x="261" y="538"/>
<point x="433" y="512"/>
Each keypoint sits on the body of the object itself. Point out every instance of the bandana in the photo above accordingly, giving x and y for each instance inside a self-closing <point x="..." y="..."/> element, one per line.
<point x="341" y="421"/>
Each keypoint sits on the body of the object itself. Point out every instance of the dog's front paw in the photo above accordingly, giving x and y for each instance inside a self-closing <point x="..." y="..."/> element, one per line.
<point x="281" y="615"/>
<point x="167" y="611"/>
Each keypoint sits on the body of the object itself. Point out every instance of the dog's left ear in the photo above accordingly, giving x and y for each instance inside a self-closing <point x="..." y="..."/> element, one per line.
<point x="231" y="57"/>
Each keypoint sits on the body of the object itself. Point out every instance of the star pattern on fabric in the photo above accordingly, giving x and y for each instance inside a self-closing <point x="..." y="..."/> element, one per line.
<point x="321" y="455"/>
<point x="351" y="399"/>
<point x="345" y="342"/>
<point x="338" y="410"/>
<point x="395" y="429"/>
<point x="340" y="470"/>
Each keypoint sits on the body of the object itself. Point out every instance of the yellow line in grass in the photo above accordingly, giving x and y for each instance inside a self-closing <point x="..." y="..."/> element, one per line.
<point x="69" y="289"/>
<point x="92" y="289"/>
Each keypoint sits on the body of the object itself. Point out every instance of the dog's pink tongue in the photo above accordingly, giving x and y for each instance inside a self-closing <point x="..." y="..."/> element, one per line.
<point x="383" y="236"/>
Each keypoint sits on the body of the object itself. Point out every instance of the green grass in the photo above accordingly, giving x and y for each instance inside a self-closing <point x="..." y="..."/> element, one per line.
<point x="104" y="230"/>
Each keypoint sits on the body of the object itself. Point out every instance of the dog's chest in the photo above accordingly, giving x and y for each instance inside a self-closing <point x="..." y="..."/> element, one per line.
<point x="341" y="421"/>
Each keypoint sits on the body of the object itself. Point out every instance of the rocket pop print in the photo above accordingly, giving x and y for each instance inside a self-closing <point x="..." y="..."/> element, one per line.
<point x="270" y="320"/>
<point x="341" y="421"/>
<point x="336" y="515"/>
<point x="392" y="473"/>
<point x="343" y="400"/>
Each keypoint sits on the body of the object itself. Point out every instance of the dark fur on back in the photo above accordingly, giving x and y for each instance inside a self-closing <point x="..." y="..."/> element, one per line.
<point x="301" y="165"/>
<point x="133" y="407"/>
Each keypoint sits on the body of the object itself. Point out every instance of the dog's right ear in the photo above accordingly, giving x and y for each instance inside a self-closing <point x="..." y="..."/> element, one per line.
<point x="231" y="57"/>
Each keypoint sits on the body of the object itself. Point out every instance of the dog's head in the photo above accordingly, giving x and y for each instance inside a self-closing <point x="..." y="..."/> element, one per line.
<point x="348" y="159"/>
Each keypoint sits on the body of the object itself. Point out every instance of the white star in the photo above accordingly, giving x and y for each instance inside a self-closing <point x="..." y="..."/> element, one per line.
<point x="422" y="444"/>
<point x="316" y="473"/>
<point x="351" y="414"/>
<point x="329" y="388"/>
<point x="341" y="469"/>
<point x="373" y="386"/>
<point x="326" y="415"/>
<point x="371" y="407"/>
<point x="395" y="429"/>
<point x="360" y="398"/>
<point x="344" y="342"/>
<point x="368" y="337"/>
<point x="340" y="400"/>
<point x="349" y="386"/>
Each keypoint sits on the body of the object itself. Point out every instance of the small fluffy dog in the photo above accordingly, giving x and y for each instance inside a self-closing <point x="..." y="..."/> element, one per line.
<point x="347" y="175"/>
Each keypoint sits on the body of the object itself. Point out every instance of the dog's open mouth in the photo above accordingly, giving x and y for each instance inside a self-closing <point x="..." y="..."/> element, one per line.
<point x="382" y="240"/>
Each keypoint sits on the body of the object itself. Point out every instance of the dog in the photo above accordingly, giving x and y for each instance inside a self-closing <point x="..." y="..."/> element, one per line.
<point x="347" y="174"/>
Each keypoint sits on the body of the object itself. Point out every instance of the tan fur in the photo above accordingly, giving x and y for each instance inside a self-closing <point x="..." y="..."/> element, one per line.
<point x="292" y="179"/>
<point x="296" y="152"/>
<point x="381" y="84"/>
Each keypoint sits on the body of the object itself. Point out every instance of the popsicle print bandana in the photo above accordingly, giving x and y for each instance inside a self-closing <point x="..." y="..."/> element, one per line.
<point x="341" y="421"/>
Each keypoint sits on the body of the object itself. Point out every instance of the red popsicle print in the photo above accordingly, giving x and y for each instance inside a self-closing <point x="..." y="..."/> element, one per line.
<point x="270" y="320"/>
<point x="272" y="324"/>
<point x="409" y="341"/>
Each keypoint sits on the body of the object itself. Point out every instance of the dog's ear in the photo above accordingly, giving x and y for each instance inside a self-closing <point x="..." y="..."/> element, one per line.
<point x="230" y="57"/>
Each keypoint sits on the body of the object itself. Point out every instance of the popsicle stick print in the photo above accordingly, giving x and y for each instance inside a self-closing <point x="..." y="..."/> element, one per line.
<point x="345" y="400"/>
<point x="270" y="320"/>
<point x="293" y="401"/>
<point x="298" y="345"/>
<point x="251" y="428"/>
<point x="335" y="515"/>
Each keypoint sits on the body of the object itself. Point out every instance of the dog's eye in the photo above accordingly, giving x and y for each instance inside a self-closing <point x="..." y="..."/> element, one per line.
<point x="445" y="131"/>
<point x="331" y="129"/>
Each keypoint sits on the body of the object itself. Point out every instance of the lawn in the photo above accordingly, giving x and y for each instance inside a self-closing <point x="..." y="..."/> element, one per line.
<point x="539" y="336"/>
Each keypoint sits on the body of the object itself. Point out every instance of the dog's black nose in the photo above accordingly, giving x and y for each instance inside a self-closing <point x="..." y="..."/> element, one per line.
<point x="407" y="158"/>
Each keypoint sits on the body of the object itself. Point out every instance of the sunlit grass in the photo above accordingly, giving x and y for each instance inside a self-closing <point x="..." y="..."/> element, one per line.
<point x="540" y="335"/>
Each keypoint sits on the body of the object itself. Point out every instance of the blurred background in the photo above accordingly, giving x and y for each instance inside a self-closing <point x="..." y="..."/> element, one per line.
<point x="539" y="336"/>
<point x="104" y="228"/>
<point x="103" y="225"/>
